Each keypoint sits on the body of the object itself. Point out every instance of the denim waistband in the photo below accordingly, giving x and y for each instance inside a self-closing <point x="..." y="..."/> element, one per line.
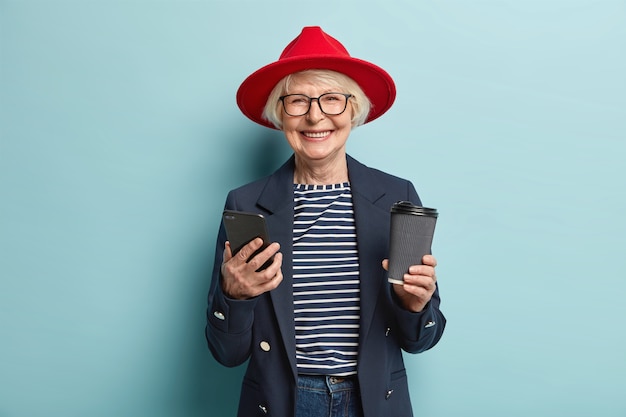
<point x="327" y="383"/>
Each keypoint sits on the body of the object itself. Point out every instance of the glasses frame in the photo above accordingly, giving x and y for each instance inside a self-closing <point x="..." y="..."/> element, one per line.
<point x="346" y="95"/>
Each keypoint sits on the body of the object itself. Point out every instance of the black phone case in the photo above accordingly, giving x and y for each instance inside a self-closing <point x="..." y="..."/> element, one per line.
<point x="242" y="227"/>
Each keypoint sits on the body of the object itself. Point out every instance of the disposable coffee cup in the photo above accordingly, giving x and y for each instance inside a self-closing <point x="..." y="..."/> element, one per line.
<point x="411" y="237"/>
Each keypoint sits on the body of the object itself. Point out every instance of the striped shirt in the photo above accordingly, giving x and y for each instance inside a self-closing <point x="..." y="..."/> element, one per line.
<point x="325" y="280"/>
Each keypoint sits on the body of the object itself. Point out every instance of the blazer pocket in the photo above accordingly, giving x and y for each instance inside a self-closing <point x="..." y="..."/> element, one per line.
<point x="251" y="383"/>
<point x="398" y="402"/>
<point x="398" y="375"/>
<point x="252" y="402"/>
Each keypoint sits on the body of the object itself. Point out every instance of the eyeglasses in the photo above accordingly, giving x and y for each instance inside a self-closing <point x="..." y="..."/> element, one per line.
<point x="330" y="104"/>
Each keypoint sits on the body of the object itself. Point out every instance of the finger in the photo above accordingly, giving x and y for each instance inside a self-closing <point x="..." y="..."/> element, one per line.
<point x="420" y="292"/>
<point x="429" y="260"/>
<point x="247" y="250"/>
<point x="385" y="264"/>
<point x="262" y="257"/>
<point x="425" y="270"/>
<point x="268" y="279"/>
<point x="423" y="281"/>
<point x="227" y="252"/>
<point x="275" y="266"/>
<point x="273" y="281"/>
<point x="272" y="269"/>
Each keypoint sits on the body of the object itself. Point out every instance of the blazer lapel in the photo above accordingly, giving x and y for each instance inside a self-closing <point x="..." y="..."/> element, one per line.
<point x="277" y="199"/>
<point x="366" y="191"/>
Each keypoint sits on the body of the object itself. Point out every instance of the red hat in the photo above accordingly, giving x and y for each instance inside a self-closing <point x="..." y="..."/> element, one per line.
<point x="314" y="49"/>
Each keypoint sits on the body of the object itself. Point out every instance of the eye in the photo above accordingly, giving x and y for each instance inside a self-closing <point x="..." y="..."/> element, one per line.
<point x="329" y="98"/>
<point x="298" y="100"/>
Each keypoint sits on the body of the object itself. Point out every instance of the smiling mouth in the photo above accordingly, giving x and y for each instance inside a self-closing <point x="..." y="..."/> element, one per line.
<point x="316" y="135"/>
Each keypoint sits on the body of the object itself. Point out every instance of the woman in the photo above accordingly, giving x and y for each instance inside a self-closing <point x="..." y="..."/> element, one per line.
<point x="321" y="326"/>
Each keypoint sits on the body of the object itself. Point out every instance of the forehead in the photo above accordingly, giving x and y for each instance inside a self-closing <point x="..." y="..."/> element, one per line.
<point x="312" y="82"/>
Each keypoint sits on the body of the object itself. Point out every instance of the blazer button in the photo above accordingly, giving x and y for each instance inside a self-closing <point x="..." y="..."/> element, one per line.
<point x="219" y="315"/>
<point x="263" y="408"/>
<point x="388" y="394"/>
<point x="265" y="347"/>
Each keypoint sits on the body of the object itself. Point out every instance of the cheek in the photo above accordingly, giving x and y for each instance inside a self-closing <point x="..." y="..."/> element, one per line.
<point x="292" y="138"/>
<point x="348" y="122"/>
<point x="289" y="128"/>
<point x="281" y="119"/>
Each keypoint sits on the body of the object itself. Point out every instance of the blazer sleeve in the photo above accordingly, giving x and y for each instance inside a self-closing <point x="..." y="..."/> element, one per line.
<point x="229" y="322"/>
<point x="418" y="331"/>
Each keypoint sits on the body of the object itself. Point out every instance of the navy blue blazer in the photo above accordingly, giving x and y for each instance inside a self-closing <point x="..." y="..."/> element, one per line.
<point x="262" y="329"/>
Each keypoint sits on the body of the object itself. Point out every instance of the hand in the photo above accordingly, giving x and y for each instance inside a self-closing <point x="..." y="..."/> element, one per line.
<point x="239" y="277"/>
<point x="419" y="284"/>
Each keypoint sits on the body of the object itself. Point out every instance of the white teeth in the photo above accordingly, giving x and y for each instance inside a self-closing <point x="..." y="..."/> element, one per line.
<point x="316" y="135"/>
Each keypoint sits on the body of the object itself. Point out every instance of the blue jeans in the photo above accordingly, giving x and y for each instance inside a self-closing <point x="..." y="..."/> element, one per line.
<point x="328" y="396"/>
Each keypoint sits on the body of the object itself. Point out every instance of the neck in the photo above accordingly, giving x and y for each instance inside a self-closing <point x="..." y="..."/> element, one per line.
<point x="321" y="172"/>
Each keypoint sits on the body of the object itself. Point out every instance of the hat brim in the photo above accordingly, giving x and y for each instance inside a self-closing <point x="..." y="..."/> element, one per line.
<point x="376" y="83"/>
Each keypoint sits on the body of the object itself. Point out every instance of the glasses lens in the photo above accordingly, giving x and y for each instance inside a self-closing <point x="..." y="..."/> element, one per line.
<point x="296" y="104"/>
<point x="332" y="103"/>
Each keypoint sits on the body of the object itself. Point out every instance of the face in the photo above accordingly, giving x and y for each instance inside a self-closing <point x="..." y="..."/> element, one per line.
<point x="316" y="138"/>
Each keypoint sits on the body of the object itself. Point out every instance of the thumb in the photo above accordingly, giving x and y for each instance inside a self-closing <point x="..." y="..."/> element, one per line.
<point x="385" y="264"/>
<point x="227" y="252"/>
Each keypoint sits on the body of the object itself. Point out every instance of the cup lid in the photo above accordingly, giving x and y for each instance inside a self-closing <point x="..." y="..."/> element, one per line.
<point x="406" y="207"/>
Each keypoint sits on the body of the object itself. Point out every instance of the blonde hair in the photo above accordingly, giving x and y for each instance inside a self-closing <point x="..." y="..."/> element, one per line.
<point x="361" y="105"/>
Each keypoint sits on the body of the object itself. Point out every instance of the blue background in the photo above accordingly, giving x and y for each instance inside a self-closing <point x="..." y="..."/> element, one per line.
<point x="120" y="138"/>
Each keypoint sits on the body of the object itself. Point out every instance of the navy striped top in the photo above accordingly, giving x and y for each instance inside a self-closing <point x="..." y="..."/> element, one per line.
<point x="325" y="280"/>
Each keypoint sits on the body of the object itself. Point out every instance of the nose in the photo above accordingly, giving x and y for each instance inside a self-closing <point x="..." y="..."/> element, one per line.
<point x="315" y="113"/>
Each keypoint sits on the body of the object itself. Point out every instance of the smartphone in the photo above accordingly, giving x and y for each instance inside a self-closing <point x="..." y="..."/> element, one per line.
<point x="242" y="227"/>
